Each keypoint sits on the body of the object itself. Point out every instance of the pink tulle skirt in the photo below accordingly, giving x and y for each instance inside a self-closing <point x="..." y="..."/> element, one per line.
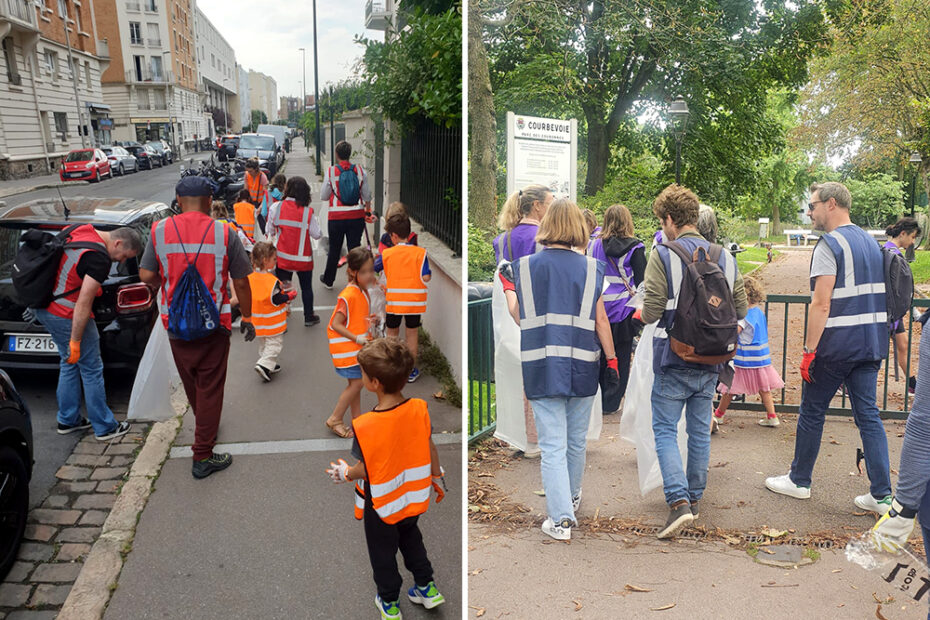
<point x="753" y="380"/>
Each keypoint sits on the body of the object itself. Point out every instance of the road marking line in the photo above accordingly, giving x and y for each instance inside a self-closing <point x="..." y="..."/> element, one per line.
<point x="315" y="308"/>
<point x="289" y="446"/>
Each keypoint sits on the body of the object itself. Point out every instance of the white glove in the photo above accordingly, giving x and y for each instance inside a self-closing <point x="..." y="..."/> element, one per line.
<point x="362" y="339"/>
<point x="338" y="471"/>
<point x="893" y="529"/>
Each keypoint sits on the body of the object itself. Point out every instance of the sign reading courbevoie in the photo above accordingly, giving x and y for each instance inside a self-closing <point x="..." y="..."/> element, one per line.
<point x="542" y="151"/>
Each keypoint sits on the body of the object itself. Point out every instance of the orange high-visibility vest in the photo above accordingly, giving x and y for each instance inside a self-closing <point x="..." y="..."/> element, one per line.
<point x="406" y="290"/>
<point x="343" y="350"/>
<point x="245" y="217"/>
<point x="256" y="186"/>
<point x="268" y="319"/>
<point x="67" y="278"/>
<point x="395" y="448"/>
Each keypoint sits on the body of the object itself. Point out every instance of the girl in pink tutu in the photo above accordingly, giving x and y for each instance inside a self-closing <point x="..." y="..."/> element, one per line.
<point x="754" y="373"/>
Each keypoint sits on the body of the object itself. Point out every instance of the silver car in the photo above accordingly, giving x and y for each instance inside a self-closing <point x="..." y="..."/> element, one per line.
<point x="121" y="160"/>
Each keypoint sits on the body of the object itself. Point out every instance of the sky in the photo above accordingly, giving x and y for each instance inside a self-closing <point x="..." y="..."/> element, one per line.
<point x="266" y="37"/>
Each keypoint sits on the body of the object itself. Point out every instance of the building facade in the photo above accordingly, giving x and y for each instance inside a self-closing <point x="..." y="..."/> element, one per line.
<point x="50" y="95"/>
<point x="263" y="92"/>
<point x="243" y="100"/>
<point x="289" y="106"/>
<point x="219" y="73"/>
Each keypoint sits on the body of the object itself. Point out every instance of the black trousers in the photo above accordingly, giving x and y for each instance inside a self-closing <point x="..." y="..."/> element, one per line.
<point x="384" y="541"/>
<point x="349" y="231"/>
<point x="623" y="334"/>
<point x="306" y="287"/>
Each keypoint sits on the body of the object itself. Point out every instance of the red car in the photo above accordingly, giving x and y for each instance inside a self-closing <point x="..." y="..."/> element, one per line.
<point x="85" y="165"/>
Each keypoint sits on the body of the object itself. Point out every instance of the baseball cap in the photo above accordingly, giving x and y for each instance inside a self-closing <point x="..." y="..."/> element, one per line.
<point x="193" y="186"/>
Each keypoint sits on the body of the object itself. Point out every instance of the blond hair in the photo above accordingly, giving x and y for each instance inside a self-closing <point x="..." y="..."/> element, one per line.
<point x="395" y="207"/>
<point x="563" y="224"/>
<point x="755" y="292"/>
<point x="590" y="222"/>
<point x="261" y="251"/>
<point x="617" y="222"/>
<point x="218" y="210"/>
<point x="519" y="204"/>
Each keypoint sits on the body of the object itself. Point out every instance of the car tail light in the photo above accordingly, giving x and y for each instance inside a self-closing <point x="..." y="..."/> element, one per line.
<point x="133" y="298"/>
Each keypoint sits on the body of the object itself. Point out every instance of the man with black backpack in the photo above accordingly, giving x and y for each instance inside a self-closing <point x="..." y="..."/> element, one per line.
<point x="695" y="291"/>
<point x="346" y="188"/>
<point x="191" y="257"/>
<point x="847" y="338"/>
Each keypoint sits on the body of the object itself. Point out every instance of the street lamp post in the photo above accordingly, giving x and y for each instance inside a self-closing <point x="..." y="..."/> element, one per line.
<point x="170" y="125"/>
<point x="679" y="113"/>
<point x="915" y="160"/>
<point x="225" y="109"/>
<point x="316" y="91"/>
<point x="74" y="77"/>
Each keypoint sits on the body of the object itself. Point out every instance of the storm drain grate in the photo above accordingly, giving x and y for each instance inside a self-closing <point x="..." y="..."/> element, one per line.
<point x="649" y="530"/>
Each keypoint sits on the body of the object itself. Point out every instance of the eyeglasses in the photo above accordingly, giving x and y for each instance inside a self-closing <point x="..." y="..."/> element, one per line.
<point x="810" y="205"/>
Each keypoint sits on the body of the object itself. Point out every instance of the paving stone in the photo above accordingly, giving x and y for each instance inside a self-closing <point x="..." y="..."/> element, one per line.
<point x="51" y="516"/>
<point x="78" y="535"/>
<point x="14" y="594"/>
<point x="121" y="448"/>
<point x="89" y="447"/>
<point x="121" y="461"/>
<point x="87" y="460"/>
<point x="93" y="517"/>
<point x="47" y="594"/>
<point x="72" y="551"/>
<point x="56" y="573"/>
<point x="74" y="487"/>
<point x="18" y="572"/>
<point x="107" y="473"/>
<point x="35" y="531"/>
<point x="72" y="472"/>
<point x="30" y="614"/>
<point x="56" y="501"/>
<point x="35" y="552"/>
<point x="109" y="486"/>
<point x="94" y="500"/>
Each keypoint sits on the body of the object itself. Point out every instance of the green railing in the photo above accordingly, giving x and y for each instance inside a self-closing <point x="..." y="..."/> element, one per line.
<point x="482" y="404"/>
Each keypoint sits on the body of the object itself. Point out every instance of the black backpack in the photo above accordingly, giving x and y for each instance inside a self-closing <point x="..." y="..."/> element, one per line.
<point x="35" y="267"/>
<point x="704" y="330"/>
<point x="899" y="285"/>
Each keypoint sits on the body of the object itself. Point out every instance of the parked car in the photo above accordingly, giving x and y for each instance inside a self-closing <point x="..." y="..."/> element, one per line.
<point x="143" y="156"/>
<point x="228" y="146"/>
<point x="124" y="313"/>
<point x="85" y="165"/>
<point x="270" y="154"/>
<point x="163" y="153"/>
<point x="281" y="135"/>
<point x="15" y="471"/>
<point x="121" y="160"/>
<point x="154" y="155"/>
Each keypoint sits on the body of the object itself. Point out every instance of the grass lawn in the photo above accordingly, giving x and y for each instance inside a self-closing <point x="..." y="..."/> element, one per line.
<point x="748" y="261"/>
<point x="482" y="408"/>
<point x="921" y="267"/>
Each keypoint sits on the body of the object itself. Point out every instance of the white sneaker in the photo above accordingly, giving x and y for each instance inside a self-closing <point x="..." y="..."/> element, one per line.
<point x="867" y="502"/>
<point x="532" y="451"/>
<point x="563" y="531"/>
<point x="783" y="485"/>
<point x="770" y="422"/>
<point x="576" y="503"/>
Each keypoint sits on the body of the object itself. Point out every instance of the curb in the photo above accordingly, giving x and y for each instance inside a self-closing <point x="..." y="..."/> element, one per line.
<point x="96" y="582"/>
<point x="34" y="188"/>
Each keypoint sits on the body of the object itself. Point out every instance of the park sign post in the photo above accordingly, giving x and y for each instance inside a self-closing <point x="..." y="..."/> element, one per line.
<point x="542" y="151"/>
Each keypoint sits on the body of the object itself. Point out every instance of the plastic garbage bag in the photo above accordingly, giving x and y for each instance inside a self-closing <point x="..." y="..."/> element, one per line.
<point x="508" y="377"/>
<point x="157" y="375"/>
<point x="377" y="305"/>
<point x="636" y="421"/>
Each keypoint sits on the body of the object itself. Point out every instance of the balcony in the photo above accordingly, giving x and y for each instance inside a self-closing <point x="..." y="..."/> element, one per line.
<point x="148" y="77"/>
<point x="378" y="14"/>
<point x="20" y="14"/>
<point x="103" y="49"/>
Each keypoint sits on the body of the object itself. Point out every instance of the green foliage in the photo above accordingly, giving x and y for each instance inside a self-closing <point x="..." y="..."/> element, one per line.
<point x="345" y="95"/>
<point x="921" y="267"/>
<point x="736" y="228"/>
<point x="432" y="361"/>
<point x="419" y="73"/>
<point x="481" y="264"/>
<point x="258" y="118"/>
<point x="878" y="200"/>
<point x="752" y="258"/>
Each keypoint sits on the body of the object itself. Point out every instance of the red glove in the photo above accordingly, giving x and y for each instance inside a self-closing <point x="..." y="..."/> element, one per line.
<point x="370" y="217"/>
<point x="638" y="314"/>
<point x="612" y="364"/>
<point x="506" y="276"/>
<point x="291" y="294"/>
<point x="806" y="364"/>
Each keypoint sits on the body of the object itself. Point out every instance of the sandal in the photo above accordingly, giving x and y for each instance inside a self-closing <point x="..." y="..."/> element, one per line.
<point x="339" y="429"/>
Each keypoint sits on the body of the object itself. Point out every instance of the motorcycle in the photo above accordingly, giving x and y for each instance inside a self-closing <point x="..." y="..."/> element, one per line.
<point x="226" y="182"/>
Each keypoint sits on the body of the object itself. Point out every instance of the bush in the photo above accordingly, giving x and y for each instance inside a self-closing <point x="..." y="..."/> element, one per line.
<point x="736" y="228"/>
<point x="481" y="263"/>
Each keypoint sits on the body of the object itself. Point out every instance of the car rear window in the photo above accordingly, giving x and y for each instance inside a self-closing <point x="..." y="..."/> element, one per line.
<point x="80" y="156"/>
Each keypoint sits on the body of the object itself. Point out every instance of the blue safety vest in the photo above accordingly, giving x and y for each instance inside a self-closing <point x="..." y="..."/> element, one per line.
<point x="756" y="354"/>
<point x="663" y="356"/>
<point x="558" y="292"/>
<point x="857" y="328"/>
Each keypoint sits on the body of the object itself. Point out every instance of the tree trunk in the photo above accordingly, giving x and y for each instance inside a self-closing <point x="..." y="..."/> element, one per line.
<point x="776" y="214"/>
<point x="598" y="154"/>
<point x="482" y="134"/>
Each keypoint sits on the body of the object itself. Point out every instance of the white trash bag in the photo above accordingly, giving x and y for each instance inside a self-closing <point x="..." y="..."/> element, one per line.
<point x="636" y="421"/>
<point x="157" y="375"/>
<point x="377" y="307"/>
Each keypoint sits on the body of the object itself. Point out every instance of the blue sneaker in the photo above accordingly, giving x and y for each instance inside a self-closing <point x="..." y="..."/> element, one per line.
<point x="428" y="596"/>
<point x="414" y="375"/>
<point x="389" y="611"/>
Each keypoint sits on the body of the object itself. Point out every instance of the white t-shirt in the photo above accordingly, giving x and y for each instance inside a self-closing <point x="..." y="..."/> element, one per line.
<point x="823" y="262"/>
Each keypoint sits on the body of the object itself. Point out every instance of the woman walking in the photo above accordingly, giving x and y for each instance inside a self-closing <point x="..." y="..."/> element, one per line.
<point x="901" y="236"/>
<point x="555" y="297"/>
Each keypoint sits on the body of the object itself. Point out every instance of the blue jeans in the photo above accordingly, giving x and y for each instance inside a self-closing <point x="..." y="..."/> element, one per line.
<point x="562" y="425"/>
<point x="693" y="390"/>
<point x="88" y="371"/>
<point x="860" y="379"/>
<point x="926" y="533"/>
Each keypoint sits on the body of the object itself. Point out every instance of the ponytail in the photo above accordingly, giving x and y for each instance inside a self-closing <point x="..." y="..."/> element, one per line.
<point x="520" y="203"/>
<point x="905" y="224"/>
<point x="510" y="215"/>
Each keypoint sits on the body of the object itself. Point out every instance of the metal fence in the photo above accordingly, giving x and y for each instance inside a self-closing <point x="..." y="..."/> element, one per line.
<point x="482" y="406"/>
<point x="431" y="180"/>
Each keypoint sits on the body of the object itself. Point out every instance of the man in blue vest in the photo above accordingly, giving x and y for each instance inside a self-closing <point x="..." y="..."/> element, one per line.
<point x="847" y="338"/>
<point x="679" y="384"/>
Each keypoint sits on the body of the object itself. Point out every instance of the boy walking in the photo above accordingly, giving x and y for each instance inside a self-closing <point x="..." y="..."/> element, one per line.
<point x="397" y="465"/>
<point x="407" y="271"/>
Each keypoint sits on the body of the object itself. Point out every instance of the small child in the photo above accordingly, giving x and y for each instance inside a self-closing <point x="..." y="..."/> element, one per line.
<point x="276" y="189"/>
<point x="406" y="270"/>
<point x="393" y="442"/>
<point x="269" y="309"/>
<point x="754" y="373"/>
<point x="245" y="213"/>
<point x="385" y="242"/>
<point x="220" y="213"/>
<point x="347" y="331"/>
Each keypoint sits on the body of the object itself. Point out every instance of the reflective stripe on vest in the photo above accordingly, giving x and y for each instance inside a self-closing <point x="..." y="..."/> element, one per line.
<point x="337" y="210"/>
<point x="268" y="319"/>
<point x="395" y="445"/>
<point x="245" y="217"/>
<point x="359" y="499"/>
<point x="67" y="278"/>
<point x="343" y="350"/>
<point x="255" y="186"/>
<point x="212" y="262"/>
<point x="857" y="327"/>
<point x="295" y="251"/>
<point x="617" y="295"/>
<point x="403" y="269"/>
<point x="756" y="354"/>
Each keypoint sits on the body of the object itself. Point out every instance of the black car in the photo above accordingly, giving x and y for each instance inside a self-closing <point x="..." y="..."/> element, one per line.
<point x="15" y="471"/>
<point x="163" y="153"/>
<point x="227" y="147"/>
<point x="263" y="146"/>
<point x="124" y="313"/>
<point x="143" y="156"/>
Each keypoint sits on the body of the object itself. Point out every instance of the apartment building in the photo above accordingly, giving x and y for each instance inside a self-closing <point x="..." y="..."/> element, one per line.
<point x="152" y="82"/>
<point x="50" y="95"/>
<point x="243" y="104"/>
<point x="288" y="106"/>
<point x="219" y="73"/>
<point x="263" y="93"/>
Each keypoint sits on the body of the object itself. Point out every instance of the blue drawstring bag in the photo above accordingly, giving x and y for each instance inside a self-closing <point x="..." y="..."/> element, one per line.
<point x="192" y="313"/>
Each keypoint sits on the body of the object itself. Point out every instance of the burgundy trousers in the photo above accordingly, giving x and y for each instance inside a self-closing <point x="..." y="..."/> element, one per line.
<point x="202" y="366"/>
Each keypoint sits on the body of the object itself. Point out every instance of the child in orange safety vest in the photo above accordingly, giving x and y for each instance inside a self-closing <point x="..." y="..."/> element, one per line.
<point x="397" y="467"/>
<point x="407" y="271"/>
<point x="245" y="213"/>
<point x="269" y="309"/>
<point x="347" y="331"/>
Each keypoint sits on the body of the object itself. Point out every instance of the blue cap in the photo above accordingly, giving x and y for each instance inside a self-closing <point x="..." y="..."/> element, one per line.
<point x="193" y="186"/>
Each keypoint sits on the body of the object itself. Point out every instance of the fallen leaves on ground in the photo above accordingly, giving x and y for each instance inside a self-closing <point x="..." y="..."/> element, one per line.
<point x="878" y="613"/>
<point x="663" y="608"/>
<point x="480" y="610"/>
<point x="773" y="533"/>
<point x="439" y="395"/>
<point x="631" y="588"/>
<point x="578" y="605"/>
